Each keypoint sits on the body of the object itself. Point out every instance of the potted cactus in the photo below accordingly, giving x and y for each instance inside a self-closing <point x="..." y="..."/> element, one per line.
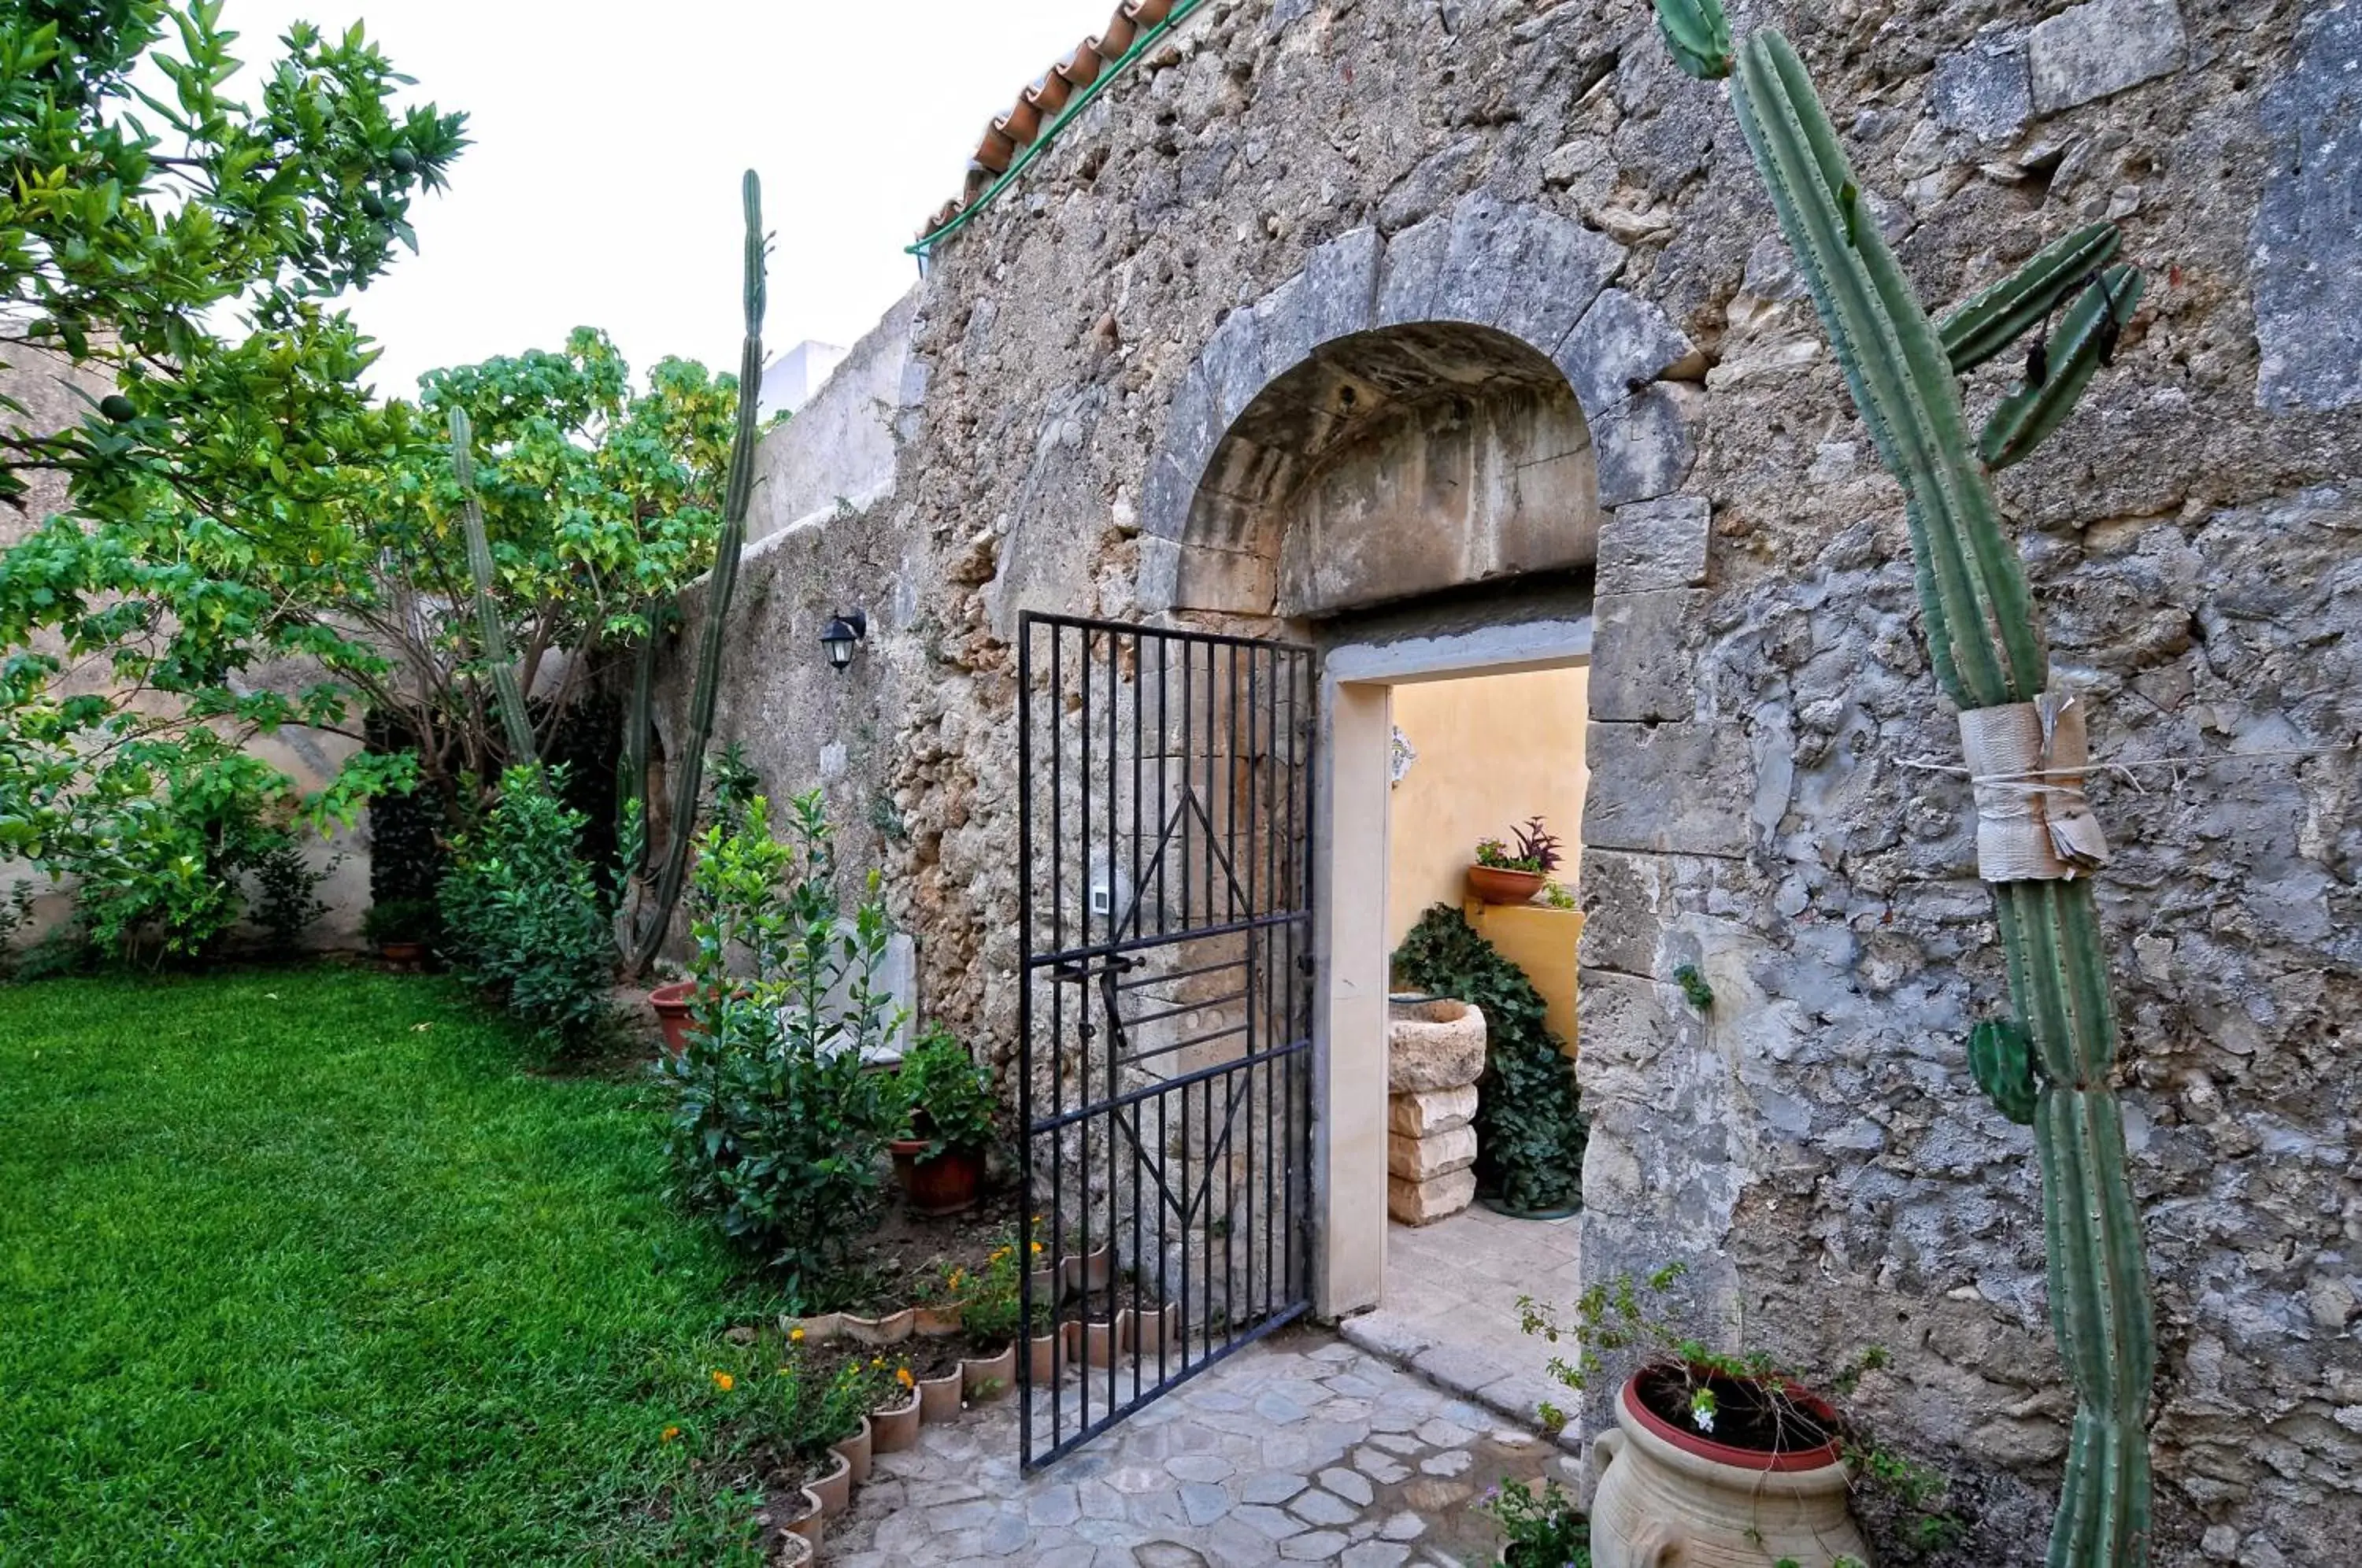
<point x="1512" y="873"/>
<point x="2053" y="1065"/>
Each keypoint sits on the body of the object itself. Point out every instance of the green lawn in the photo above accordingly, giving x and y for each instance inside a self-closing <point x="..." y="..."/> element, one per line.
<point x="310" y="1266"/>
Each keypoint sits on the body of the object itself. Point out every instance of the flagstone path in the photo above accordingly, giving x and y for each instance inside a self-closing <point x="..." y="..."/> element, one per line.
<point x="1302" y="1449"/>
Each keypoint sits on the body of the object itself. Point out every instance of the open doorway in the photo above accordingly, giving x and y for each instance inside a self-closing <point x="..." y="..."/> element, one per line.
<point x="1440" y="744"/>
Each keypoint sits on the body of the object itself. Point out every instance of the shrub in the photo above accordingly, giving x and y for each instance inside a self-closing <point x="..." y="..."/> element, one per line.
<point x="523" y="914"/>
<point x="203" y="834"/>
<point x="948" y="1094"/>
<point x="402" y="919"/>
<point x="776" y="1126"/>
<point x="1542" y="1527"/>
<point x="1529" y="1128"/>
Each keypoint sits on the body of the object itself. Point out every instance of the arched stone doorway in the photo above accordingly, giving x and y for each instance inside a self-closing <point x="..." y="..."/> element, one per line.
<point x="1469" y="401"/>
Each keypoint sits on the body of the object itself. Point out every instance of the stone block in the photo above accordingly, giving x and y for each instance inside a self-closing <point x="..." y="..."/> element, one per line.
<point x="1622" y="346"/>
<point x="1655" y="543"/>
<point x="1425" y="1202"/>
<point x="1424" y="1159"/>
<point x="1407" y="278"/>
<point x="1233" y="367"/>
<point x="1983" y="91"/>
<point x="1644" y="654"/>
<point x="2102" y="47"/>
<point x="1647" y="444"/>
<point x="1434" y="1045"/>
<point x="1429" y="1112"/>
<point x="1626" y="900"/>
<point x="1340" y="281"/>
<point x="1283" y="322"/>
<point x="2307" y="245"/>
<point x="1677" y="788"/>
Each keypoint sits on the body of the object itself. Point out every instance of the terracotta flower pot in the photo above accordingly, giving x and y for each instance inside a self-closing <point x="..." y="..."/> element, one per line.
<point x="809" y="1526"/>
<point x="893" y="1428"/>
<point x="1048" y="1287"/>
<point x="1147" y="1333"/>
<point x="818" y="1331"/>
<point x="1089" y="1272"/>
<point x="940" y="1398"/>
<point x="1049" y="1356"/>
<point x="1101" y="1341"/>
<point x="937" y="1322"/>
<point x="834" y="1489"/>
<point x="1667" y="1494"/>
<point x="1496" y="886"/>
<point x="890" y="1330"/>
<point x="795" y="1551"/>
<point x="671" y="1005"/>
<point x="1147" y="13"/>
<point x="402" y="954"/>
<point x="951" y="1182"/>
<point x="988" y="1377"/>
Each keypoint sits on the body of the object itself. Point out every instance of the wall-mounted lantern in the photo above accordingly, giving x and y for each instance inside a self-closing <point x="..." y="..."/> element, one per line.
<point x="842" y="633"/>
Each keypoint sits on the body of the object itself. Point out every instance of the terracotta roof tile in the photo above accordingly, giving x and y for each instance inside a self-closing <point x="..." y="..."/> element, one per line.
<point x="1007" y="138"/>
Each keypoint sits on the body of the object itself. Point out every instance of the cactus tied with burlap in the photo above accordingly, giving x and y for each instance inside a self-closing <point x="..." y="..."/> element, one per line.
<point x="2051" y="1066"/>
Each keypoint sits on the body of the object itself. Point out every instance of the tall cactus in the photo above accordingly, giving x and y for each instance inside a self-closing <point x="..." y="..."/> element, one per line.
<point x="647" y="929"/>
<point x="2054" y="1069"/>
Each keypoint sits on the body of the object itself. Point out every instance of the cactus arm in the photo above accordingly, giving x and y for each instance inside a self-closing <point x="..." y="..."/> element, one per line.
<point x="2000" y="1059"/>
<point x="2086" y="338"/>
<point x="1998" y="316"/>
<point x="506" y="694"/>
<point x="638" y="717"/>
<point x="721" y="584"/>
<point x="1697" y="36"/>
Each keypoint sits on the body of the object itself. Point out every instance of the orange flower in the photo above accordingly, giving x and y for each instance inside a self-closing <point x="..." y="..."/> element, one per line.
<point x="670" y="1433"/>
<point x="1037" y="1249"/>
<point x="724" y="1382"/>
<point x="902" y="1376"/>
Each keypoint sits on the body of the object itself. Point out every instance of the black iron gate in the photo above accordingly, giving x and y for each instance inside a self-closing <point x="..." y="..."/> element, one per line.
<point x="1165" y="1015"/>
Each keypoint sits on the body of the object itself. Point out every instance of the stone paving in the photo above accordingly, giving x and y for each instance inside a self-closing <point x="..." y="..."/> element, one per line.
<point x="1450" y="1308"/>
<point x="1302" y="1449"/>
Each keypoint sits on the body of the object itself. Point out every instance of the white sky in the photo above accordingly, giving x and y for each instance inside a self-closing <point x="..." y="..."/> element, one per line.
<point x="603" y="185"/>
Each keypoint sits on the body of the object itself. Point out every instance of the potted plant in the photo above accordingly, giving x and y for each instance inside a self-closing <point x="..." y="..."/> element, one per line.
<point x="671" y="1004"/>
<point x="1506" y="874"/>
<point x="940" y="1162"/>
<point x="400" y="929"/>
<point x="1717" y="1457"/>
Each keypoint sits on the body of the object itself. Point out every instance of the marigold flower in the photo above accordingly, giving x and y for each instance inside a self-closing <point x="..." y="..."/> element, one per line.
<point x="1037" y="1249"/>
<point x="795" y="1336"/>
<point x="670" y="1433"/>
<point x="902" y="1376"/>
<point x="724" y="1382"/>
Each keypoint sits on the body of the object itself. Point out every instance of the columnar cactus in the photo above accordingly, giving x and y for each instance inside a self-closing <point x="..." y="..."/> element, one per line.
<point x="642" y="941"/>
<point x="2053" y="1069"/>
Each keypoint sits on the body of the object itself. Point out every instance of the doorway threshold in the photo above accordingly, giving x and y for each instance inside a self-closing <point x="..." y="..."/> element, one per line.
<point x="1450" y="1310"/>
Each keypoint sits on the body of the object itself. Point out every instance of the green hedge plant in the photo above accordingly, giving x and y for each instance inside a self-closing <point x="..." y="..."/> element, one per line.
<point x="1529" y="1126"/>
<point x="524" y="916"/>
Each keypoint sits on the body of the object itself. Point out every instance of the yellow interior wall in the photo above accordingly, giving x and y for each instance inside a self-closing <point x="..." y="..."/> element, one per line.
<point x="1543" y="943"/>
<point x="1493" y="750"/>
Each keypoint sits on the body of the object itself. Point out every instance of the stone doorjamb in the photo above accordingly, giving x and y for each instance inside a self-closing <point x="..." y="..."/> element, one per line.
<point x="1350" y="839"/>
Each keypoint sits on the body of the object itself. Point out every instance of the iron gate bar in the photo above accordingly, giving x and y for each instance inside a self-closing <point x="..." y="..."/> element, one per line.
<point x="1254" y="700"/>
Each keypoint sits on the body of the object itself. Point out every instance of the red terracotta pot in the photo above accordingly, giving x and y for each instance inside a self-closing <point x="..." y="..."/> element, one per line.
<point x="402" y="954"/>
<point x="951" y="1182"/>
<point x="1784" y="1459"/>
<point x="988" y="1377"/>
<point x="671" y="1005"/>
<point x="1496" y="886"/>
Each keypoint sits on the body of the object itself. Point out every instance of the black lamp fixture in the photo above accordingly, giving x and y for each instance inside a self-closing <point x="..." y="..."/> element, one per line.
<point x="842" y="633"/>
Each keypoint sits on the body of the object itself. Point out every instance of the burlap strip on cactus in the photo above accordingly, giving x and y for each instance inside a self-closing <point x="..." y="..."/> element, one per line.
<point x="2026" y="764"/>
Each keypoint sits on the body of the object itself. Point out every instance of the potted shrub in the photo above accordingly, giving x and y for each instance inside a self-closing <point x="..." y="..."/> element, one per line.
<point x="1513" y="874"/>
<point x="673" y="1012"/>
<point x="940" y="1162"/>
<point x="1716" y="1457"/>
<point x="400" y="929"/>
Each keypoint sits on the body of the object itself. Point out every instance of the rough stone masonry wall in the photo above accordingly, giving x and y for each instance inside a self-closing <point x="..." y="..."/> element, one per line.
<point x="1812" y="1147"/>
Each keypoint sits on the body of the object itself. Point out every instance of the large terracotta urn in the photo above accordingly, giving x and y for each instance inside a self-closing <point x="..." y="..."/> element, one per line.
<point x="1672" y="1498"/>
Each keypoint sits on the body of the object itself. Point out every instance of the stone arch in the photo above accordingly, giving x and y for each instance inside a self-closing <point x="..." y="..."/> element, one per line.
<point x="1500" y="318"/>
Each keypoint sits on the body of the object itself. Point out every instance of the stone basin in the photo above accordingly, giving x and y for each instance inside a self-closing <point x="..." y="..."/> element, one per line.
<point x="1433" y="1044"/>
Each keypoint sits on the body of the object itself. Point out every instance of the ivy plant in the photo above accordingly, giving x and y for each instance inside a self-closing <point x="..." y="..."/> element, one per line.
<point x="1529" y="1126"/>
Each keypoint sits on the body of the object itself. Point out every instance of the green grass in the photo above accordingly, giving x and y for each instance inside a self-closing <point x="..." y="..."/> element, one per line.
<point x="309" y="1266"/>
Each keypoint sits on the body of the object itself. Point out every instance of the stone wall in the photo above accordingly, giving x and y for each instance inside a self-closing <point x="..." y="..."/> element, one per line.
<point x="1132" y="377"/>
